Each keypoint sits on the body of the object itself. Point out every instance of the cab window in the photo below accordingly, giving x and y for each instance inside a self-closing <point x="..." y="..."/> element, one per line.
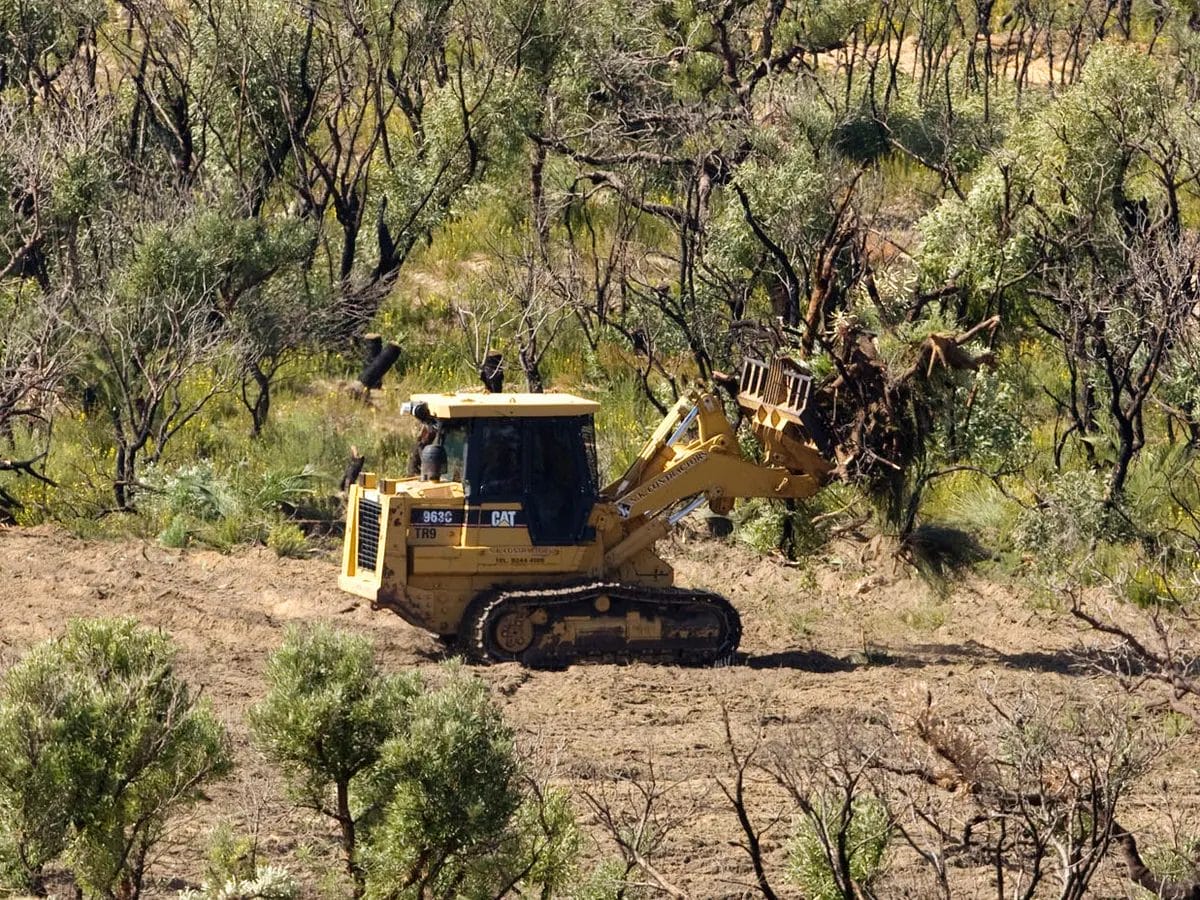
<point x="454" y="442"/>
<point x="496" y="460"/>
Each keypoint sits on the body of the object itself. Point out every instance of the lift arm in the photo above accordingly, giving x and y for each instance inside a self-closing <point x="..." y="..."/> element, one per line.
<point x="709" y="468"/>
<point x="694" y="454"/>
<point x="694" y="449"/>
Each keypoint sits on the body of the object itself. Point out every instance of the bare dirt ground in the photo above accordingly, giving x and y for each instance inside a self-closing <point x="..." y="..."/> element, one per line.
<point x="848" y="635"/>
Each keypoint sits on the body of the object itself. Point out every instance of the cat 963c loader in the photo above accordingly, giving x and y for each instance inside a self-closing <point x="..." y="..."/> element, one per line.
<point x="506" y="544"/>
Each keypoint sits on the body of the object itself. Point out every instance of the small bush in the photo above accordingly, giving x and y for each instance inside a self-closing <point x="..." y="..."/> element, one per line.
<point x="101" y="743"/>
<point x="973" y="503"/>
<point x="286" y="539"/>
<point x="927" y="616"/>
<point x="233" y="872"/>
<point x="232" y="530"/>
<point x="771" y="527"/>
<point x="195" y="491"/>
<point x="267" y="883"/>
<point x="458" y="820"/>
<point x="424" y="783"/>
<point x="1146" y="587"/>
<point x="275" y="488"/>
<point x="992" y="431"/>
<point x="177" y="535"/>
<point x="867" y="835"/>
<point x="329" y="708"/>
<point x="1173" y="863"/>
<point x="222" y="510"/>
<point x="327" y="714"/>
<point x="1072" y="516"/>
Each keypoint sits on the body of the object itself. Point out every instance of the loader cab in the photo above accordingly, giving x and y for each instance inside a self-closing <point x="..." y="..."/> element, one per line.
<point x="522" y="459"/>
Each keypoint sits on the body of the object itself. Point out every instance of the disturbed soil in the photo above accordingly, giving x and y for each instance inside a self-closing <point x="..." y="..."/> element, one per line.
<point x="853" y="634"/>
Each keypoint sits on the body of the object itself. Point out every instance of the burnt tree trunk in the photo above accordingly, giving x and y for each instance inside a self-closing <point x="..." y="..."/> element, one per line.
<point x="492" y="372"/>
<point x="372" y="375"/>
<point x="372" y="347"/>
<point x="354" y="468"/>
<point x="1137" y="871"/>
<point x="257" y="400"/>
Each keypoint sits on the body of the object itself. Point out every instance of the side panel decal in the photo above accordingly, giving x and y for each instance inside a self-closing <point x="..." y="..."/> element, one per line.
<point x="482" y="518"/>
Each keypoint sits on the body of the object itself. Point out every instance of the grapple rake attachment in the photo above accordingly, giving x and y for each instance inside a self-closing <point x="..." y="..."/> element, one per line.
<point x="783" y="386"/>
<point x="776" y="397"/>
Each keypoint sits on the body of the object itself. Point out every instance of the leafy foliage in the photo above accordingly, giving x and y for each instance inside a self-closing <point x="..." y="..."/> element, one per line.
<point x="103" y="744"/>
<point x="458" y="820"/>
<point x="1071" y="515"/>
<point x="424" y="782"/>
<point x="234" y="872"/>
<point x="866" y="835"/>
<point x="328" y="711"/>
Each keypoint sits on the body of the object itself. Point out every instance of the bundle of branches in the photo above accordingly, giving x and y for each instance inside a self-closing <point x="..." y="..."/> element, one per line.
<point x="33" y="361"/>
<point x="874" y="416"/>
<point x="878" y="418"/>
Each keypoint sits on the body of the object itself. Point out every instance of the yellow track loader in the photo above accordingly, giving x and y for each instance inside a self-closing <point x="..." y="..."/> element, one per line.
<point x="506" y="545"/>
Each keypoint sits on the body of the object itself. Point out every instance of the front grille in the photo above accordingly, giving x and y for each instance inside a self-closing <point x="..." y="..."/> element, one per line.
<point x="368" y="533"/>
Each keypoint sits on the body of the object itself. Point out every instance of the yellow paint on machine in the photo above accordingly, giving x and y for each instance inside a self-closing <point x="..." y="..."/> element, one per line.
<point x="418" y="548"/>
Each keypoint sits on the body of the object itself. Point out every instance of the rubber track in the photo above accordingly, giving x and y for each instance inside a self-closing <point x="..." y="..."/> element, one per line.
<point x="488" y="607"/>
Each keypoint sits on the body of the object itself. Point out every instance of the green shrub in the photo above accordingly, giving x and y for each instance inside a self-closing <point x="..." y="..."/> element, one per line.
<point x="1172" y="863"/>
<point x="277" y="487"/>
<point x="424" y="783"/>
<point x="609" y="880"/>
<point x="329" y="708"/>
<point x="866" y="834"/>
<point x="929" y="615"/>
<point x="231" y="856"/>
<point x="972" y="503"/>
<point x="992" y="431"/>
<point x="1145" y="587"/>
<point x="455" y="771"/>
<point x="198" y="491"/>
<point x="1163" y="482"/>
<point x="458" y="821"/>
<point x="176" y="535"/>
<point x="286" y="539"/>
<point x="327" y="714"/>
<point x="101" y="743"/>
<point x="759" y="525"/>
<point x="769" y="526"/>
<point x="267" y="883"/>
<point x="224" y="509"/>
<point x="233" y="872"/>
<point x="1072" y="516"/>
<point x="232" y="530"/>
